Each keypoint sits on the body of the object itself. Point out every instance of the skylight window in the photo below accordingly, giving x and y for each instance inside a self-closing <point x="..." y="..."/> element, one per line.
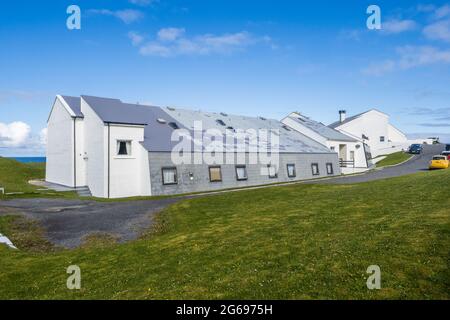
<point x="219" y="121"/>
<point x="171" y="108"/>
<point x="286" y="128"/>
<point x="224" y="114"/>
<point x="173" y="125"/>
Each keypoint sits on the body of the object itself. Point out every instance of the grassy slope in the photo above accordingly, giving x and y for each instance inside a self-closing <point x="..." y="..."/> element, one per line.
<point x="394" y="158"/>
<point x="14" y="177"/>
<point x="301" y="241"/>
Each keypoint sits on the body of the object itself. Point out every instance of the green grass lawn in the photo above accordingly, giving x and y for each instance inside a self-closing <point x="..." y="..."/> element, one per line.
<point x="14" y="177"/>
<point x="393" y="159"/>
<point x="292" y="242"/>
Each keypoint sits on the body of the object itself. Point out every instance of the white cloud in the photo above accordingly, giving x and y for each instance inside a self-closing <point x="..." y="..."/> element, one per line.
<point x="442" y="12"/>
<point x="127" y="15"/>
<point x="413" y="56"/>
<point x="135" y="37"/>
<point x="43" y="137"/>
<point x="380" y="68"/>
<point x="14" y="134"/>
<point x="439" y="30"/>
<point x="425" y="8"/>
<point x="398" y="26"/>
<point x="142" y="3"/>
<point x="409" y="57"/>
<point x="174" y="42"/>
<point x="170" y="34"/>
<point x="155" y="49"/>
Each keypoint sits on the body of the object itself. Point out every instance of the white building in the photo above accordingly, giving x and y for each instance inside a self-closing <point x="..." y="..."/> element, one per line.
<point x="374" y="129"/>
<point x="351" y="150"/>
<point x="119" y="149"/>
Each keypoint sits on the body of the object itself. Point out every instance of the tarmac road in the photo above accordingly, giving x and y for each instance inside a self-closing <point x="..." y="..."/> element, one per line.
<point x="416" y="164"/>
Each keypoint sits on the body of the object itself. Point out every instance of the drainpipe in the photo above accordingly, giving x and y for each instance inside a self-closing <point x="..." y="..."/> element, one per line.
<point x="74" y="153"/>
<point x="109" y="158"/>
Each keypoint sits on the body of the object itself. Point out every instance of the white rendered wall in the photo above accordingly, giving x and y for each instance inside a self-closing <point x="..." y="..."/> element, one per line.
<point x="373" y="125"/>
<point x="80" y="153"/>
<point x="360" y="157"/>
<point x="396" y="135"/>
<point x="94" y="146"/>
<point x="129" y="175"/>
<point x="60" y="148"/>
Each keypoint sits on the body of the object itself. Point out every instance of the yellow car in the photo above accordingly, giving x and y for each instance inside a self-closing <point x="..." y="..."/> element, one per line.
<point x="439" y="162"/>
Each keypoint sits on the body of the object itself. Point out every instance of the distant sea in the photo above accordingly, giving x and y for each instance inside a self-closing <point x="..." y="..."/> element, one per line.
<point x="29" y="159"/>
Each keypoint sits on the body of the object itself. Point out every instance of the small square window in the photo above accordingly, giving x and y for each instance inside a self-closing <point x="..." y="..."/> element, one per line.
<point x="291" y="170"/>
<point x="215" y="174"/>
<point x="123" y="147"/>
<point x="241" y="173"/>
<point x="169" y="176"/>
<point x="382" y="139"/>
<point x="315" y="169"/>
<point x="272" y="171"/>
<point x="330" y="168"/>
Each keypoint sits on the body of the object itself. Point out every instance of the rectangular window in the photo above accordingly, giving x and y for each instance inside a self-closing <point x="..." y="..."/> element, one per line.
<point x="382" y="139"/>
<point x="241" y="173"/>
<point x="215" y="174"/>
<point x="352" y="155"/>
<point x="315" y="169"/>
<point x="291" y="170"/>
<point x="330" y="168"/>
<point x="332" y="148"/>
<point x="169" y="176"/>
<point x="123" y="147"/>
<point x="272" y="171"/>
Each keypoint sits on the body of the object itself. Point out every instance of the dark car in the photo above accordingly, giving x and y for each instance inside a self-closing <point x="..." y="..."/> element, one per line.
<point x="415" y="149"/>
<point x="447" y="154"/>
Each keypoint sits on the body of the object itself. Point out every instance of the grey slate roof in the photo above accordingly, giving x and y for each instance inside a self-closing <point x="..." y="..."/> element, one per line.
<point x="290" y="141"/>
<point x="74" y="104"/>
<point x="157" y="135"/>
<point x="320" y="128"/>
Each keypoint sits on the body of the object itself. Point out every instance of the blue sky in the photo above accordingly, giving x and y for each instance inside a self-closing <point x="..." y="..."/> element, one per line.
<point x="246" y="57"/>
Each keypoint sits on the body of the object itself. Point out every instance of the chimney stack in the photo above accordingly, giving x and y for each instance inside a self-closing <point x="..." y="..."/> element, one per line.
<point x="342" y="114"/>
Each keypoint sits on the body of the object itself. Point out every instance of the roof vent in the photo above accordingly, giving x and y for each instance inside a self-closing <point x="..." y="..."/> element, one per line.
<point x="224" y="114"/>
<point x="161" y="120"/>
<point x="173" y="125"/>
<point x="219" y="121"/>
<point x="262" y="118"/>
<point x="171" y="108"/>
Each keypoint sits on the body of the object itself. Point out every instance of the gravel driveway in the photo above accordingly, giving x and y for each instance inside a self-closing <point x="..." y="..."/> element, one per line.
<point x="67" y="222"/>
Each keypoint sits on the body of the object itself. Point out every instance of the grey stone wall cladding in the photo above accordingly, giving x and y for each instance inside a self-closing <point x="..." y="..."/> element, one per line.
<point x="201" y="179"/>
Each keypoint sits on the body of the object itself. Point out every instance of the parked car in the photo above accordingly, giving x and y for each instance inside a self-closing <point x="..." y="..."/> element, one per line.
<point x="415" y="149"/>
<point x="447" y="154"/>
<point x="439" y="162"/>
